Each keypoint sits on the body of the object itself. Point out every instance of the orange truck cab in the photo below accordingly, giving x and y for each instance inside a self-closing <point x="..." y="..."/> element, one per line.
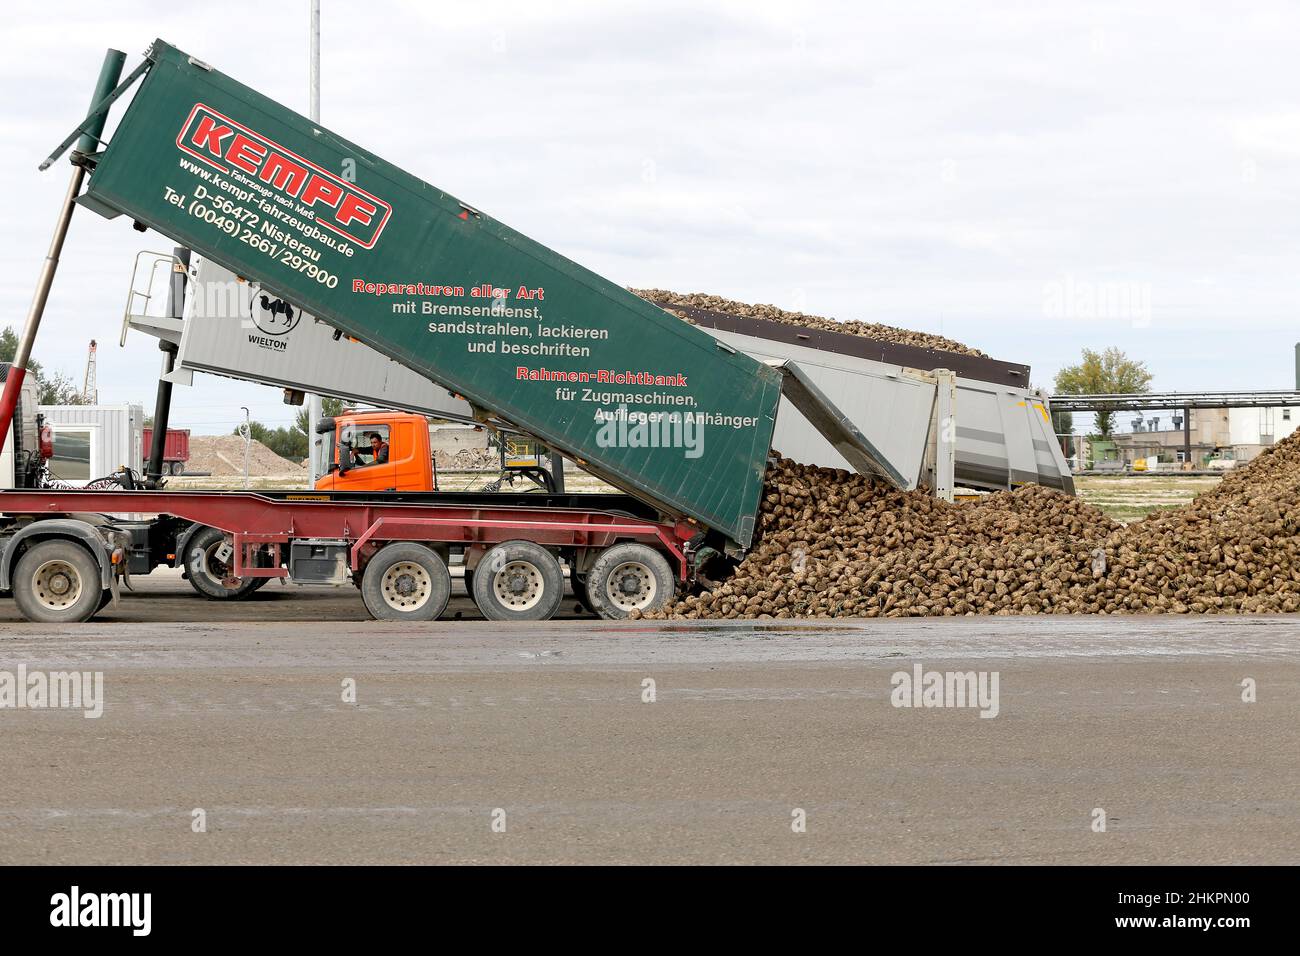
<point x="376" y="451"/>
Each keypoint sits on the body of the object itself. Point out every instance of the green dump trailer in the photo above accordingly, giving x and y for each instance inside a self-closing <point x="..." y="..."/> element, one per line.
<point x="652" y="404"/>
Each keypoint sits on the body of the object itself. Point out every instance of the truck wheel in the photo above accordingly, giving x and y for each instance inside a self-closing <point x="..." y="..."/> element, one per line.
<point x="405" y="581"/>
<point x="629" y="577"/>
<point x="177" y="468"/>
<point x="518" y="581"/>
<point x="57" y="582"/>
<point x="206" y="572"/>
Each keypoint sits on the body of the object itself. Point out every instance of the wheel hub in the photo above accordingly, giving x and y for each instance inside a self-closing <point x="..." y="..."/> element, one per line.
<point x="214" y="566"/>
<point x="519" y="585"/>
<point x="57" y="585"/>
<point x="406" y="586"/>
<point x="631" y="586"/>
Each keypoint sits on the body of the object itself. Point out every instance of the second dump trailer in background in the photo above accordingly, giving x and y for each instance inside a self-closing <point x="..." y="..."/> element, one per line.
<point x="1003" y="429"/>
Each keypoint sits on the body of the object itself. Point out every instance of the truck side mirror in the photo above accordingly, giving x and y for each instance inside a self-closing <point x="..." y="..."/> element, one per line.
<point x="346" y="435"/>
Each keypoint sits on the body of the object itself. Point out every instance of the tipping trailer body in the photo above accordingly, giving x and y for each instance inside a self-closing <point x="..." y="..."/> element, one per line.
<point x="517" y="330"/>
<point x="1003" y="430"/>
<point x="224" y="330"/>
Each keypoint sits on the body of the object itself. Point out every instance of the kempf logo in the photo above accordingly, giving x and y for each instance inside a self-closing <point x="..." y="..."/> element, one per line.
<point x="341" y="206"/>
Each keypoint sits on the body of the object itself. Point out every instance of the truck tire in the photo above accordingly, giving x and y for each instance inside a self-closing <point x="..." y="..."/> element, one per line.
<point x="518" y="581"/>
<point x="57" y="582"/>
<point x="405" y="581"/>
<point x="205" y="572"/>
<point x="629" y="577"/>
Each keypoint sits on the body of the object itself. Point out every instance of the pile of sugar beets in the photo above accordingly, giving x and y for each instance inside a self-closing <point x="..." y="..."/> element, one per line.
<point x="871" y="330"/>
<point x="832" y="543"/>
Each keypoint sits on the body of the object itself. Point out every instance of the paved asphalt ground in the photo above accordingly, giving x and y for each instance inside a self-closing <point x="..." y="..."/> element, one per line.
<point x="237" y="710"/>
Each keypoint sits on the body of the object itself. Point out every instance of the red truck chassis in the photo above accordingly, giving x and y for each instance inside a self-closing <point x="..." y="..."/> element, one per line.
<point x="261" y="527"/>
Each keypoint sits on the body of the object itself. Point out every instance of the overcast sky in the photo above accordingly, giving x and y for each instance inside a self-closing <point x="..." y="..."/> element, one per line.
<point x="1031" y="179"/>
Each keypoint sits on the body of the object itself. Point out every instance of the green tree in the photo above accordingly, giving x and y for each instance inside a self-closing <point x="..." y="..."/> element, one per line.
<point x="51" y="389"/>
<point x="1104" y="373"/>
<point x="329" y="408"/>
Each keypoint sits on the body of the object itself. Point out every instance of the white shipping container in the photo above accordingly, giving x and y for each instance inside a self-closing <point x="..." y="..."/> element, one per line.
<point x="91" y="441"/>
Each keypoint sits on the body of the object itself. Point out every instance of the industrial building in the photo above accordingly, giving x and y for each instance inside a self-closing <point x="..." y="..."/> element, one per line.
<point x="1216" y="433"/>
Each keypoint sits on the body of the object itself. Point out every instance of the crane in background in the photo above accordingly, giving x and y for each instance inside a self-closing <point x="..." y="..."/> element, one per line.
<point x="90" y="386"/>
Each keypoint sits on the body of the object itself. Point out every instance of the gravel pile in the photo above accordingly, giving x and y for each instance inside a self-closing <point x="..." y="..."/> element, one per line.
<point x="468" y="459"/>
<point x="837" y="544"/>
<point x="871" y="330"/>
<point x="224" y="455"/>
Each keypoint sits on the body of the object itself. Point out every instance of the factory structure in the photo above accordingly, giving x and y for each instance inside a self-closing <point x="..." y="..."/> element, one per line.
<point x="1217" y="434"/>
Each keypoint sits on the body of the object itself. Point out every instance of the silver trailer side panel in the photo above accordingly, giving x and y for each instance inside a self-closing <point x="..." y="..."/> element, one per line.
<point x="890" y="408"/>
<point x="228" y="330"/>
<point x="1004" y="433"/>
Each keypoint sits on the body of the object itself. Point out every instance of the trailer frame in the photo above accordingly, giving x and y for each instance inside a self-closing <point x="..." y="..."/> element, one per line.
<point x="255" y="520"/>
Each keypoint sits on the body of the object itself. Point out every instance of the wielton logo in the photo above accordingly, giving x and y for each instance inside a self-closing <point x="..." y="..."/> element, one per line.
<point x="274" y="316"/>
<point x="341" y="206"/>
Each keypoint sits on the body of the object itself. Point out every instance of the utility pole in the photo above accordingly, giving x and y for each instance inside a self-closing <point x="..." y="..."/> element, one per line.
<point x="313" y="110"/>
<point x="246" y="433"/>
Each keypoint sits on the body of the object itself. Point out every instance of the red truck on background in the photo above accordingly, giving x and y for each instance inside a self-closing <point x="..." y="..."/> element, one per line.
<point x="176" y="449"/>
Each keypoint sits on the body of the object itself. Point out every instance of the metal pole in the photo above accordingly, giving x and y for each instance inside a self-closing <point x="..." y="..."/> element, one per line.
<point x="557" y="471"/>
<point x="945" y="438"/>
<point x="163" y="398"/>
<point x="109" y="73"/>
<point x="246" y="430"/>
<point x="313" y="99"/>
<point x="313" y="64"/>
<point x="161" y="418"/>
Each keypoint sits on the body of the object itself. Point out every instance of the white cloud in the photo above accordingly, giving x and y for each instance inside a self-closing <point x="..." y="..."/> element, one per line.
<point x="931" y="165"/>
